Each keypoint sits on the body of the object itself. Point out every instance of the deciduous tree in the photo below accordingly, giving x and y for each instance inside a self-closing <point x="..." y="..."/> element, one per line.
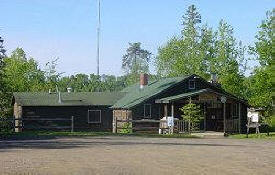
<point x="259" y="84"/>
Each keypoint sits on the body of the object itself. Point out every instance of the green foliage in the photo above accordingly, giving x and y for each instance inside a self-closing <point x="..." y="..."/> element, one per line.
<point x="127" y="128"/>
<point x="263" y="45"/>
<point x="2" y="85"/>
<point x="2" y="50"/>
<point x="192" y="114"/>
<point x="228" y="60"/>
<point x="185" y="54"/>
<point x="202" y="51"/>
<point x="259" y="93"/>
<point x="18" y="74"/>
<point x="2" y="56"/>
<point x="92" y="83"/>
<point x="260" y="83"/>
<point x="254" y="136"/>
<point x="135" y="61"/>
<point x="6" y="126"/>
<point x="53" y="134"/>
<point x="22" y="74"/>
<point x="52" y="76"/>
<point x="270" y="122"/>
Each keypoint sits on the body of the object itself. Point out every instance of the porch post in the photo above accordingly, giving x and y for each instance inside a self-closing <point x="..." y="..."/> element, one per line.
<point x="204" y="110"/>
<point x="224" y="113"/>
<point x="172" y="109"/>
<point x="165" y="110"/>
<point x="172" y="113"/>
<point x="239" y="117"/>
<point x="223" y="100"/>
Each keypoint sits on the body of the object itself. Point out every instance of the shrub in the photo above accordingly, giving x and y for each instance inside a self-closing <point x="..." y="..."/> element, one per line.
<point x="127" y="128"/>
<point x="192" y="114"/>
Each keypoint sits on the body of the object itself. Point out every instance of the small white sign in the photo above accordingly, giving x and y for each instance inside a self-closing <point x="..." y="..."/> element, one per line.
<point x="254" y="116"/>
<point x="170" y="121"/>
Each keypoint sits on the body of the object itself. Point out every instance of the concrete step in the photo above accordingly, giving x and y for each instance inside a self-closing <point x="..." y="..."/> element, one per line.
<point x="212" y="135"/>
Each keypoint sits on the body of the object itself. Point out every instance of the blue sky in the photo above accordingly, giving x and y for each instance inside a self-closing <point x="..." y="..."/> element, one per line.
<point x="47" y="29"/>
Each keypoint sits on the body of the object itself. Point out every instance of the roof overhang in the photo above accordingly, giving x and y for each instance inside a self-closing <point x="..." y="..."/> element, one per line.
<point x="193" y="93"/>
<point x="181" y="96"/>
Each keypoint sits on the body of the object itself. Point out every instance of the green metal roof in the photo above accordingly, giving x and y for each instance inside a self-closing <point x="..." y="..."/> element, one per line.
<point x="132" y="87"/>
<point x="67" y="99"/>
<point x="126" y="99"/>
<point x="181" y="96"/>
<point x="136" y="95"/>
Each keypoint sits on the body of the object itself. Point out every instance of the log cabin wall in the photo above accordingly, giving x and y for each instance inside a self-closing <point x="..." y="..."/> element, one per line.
<point x="80" y="114"/>
<point x="208" y="102"/>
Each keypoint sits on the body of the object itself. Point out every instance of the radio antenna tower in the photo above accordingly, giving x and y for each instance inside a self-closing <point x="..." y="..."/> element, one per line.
<point x="98" y="35"/>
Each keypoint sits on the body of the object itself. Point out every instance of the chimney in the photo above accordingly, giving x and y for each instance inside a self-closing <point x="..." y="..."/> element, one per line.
<point x="214" y="78"/>
<point x="69" y="89"/>
<point x="143" y="80"/>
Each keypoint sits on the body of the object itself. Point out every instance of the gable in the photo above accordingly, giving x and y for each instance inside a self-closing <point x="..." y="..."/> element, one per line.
<point x="137" y="95"/>
<point x="166" y="88"/>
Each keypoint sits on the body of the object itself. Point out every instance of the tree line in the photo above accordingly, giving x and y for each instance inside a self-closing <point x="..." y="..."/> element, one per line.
<point x="203" y="50"/>
<point x="199" y="49"/>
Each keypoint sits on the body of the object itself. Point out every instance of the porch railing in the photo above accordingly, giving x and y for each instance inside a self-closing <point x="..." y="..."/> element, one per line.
<point x="180" y="126"/>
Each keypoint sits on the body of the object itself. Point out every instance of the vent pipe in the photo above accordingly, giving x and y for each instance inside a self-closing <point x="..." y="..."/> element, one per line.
<point x="69" y="89"/>
<point x="214" y="78"/>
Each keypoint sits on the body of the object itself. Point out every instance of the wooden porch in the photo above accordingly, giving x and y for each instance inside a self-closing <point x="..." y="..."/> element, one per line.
<point x="219" y="115"/>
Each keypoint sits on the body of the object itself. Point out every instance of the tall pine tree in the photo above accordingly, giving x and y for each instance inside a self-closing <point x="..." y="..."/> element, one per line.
<point x="201" y="50"/>
<point x="135" y="61"/>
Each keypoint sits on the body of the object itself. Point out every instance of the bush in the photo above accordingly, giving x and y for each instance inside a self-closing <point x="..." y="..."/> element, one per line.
<point x="127" y="128"/>
<point x="272" y="124"/>
<point x="192" y="114"/>
<point x="5" y="125"/>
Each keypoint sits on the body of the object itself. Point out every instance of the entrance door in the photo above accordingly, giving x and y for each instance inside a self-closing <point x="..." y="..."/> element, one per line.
<point x="214" y="117"/>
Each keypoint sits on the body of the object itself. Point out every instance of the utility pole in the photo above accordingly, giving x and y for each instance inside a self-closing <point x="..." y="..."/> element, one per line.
<point x="98" y="35"/>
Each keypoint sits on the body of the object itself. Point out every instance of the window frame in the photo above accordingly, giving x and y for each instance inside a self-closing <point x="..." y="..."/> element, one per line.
<point x="235" y="109"/>
<point x="189" y="84"/>
<point x="94" y="110"/>
<point x="144" y="112"/>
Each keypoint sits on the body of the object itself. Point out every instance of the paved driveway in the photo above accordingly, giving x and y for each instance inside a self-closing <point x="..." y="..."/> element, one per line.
<point x="137" y="155"/>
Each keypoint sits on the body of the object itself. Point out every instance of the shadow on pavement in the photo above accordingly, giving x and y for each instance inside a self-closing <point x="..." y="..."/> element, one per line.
<point x="69" y="144"/>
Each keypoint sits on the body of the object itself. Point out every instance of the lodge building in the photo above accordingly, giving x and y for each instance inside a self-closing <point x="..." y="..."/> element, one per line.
<point x="97" y="111"/>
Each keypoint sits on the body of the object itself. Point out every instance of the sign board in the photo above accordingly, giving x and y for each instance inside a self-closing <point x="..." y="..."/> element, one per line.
<point x="254" y="116"/>
<point x="170" y="121"/>
<point x="208" y="97"/>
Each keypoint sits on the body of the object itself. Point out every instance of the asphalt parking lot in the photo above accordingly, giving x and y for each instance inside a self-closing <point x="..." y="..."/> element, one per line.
<point x="137" y="155"/>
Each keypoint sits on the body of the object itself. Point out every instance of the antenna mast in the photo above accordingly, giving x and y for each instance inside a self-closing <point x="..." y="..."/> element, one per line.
<point x="98" y="35"/>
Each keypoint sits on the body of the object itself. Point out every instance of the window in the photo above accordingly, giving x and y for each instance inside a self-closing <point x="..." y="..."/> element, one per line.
<point x="94" y="116"/>
<point x="147" y="111"/>
<point x="235" y="110"/>
<point x="191" y="84"/>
